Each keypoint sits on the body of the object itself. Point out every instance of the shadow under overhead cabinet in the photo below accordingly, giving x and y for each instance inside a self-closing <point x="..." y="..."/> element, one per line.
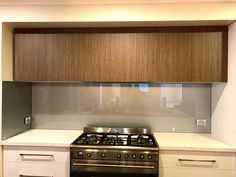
<point x="135" y="54"/>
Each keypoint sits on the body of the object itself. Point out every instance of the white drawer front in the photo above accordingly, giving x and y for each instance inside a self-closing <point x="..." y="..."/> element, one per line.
<point x="14" y="169"/>
<point x="39" y="154"/>
<point x="190" y="159"/>
<point x="193" y="172"/>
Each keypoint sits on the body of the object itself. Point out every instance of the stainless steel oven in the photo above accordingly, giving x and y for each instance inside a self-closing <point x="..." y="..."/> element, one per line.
<point x="114" y="154"/>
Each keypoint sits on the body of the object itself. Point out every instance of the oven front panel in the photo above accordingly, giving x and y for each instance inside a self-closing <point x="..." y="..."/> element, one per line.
<point x="114" y="154"/>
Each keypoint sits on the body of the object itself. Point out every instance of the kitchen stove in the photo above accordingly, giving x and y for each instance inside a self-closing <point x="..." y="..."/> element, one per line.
<point x="113" y="151"/>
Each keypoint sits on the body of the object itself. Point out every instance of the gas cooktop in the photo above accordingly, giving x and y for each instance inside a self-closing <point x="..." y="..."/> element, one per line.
<point x="116" y="137"/>
<point x="107" y="139"/>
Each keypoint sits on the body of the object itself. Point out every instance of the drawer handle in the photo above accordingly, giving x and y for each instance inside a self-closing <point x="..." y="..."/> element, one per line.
<point x="194" y="160"/>
<point x="33" y="176"/>
<point x="45" y="155"/>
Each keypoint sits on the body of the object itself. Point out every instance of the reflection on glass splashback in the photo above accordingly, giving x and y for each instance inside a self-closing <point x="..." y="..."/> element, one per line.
<point x="163" y="107"/>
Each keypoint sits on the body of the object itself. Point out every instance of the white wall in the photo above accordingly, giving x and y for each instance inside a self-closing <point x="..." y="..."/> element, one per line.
<point x="120" y="12"/>
<point x="224" y="98"/>
<point x="79" y="2"/>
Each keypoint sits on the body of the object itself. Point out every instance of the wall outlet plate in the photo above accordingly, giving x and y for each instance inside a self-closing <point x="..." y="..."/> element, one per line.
<point x="201" y="122"/>
<point x="27" y="120"/>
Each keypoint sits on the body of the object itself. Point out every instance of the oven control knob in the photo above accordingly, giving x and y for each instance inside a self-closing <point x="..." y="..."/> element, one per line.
<point x="118" y="156"/>
<point x="126" y="156"/>
<point x="141" y="156"/>
<point x="103" y="155"/>
<point x="134" y="156"/>
<point x="89" y="154"/>
<point x="149" y="156"/>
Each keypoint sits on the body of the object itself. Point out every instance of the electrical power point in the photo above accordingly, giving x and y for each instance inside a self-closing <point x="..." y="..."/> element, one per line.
<point x="201" y="122"/>
<point x="27" y="120"/>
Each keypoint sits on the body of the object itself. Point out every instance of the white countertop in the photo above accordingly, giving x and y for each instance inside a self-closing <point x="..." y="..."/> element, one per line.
<point x="166" y="141"/>
<point x="191" y="141"/>
<point x="44" y="137"/>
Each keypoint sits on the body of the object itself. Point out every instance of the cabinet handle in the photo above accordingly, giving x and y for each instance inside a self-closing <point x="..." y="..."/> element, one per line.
<point x="195" y="160"/>
<point x="47" y="155"/>
<point x="33" y="176"/>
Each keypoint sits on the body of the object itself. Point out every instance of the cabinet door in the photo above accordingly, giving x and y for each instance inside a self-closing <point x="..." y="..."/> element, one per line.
<point x="196" y="164"/>
<point x="36" y="154"/>
<point x="32" y="169"/>
<point x="160" y="54"/>
<point x="25" y="161"/>
<point x="194" y="172"/>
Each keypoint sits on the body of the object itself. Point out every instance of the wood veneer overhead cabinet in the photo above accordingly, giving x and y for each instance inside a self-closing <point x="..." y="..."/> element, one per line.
<point x="138" y="54"/>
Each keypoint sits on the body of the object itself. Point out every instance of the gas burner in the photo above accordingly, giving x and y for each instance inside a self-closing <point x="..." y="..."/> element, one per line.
<point x="113" y="141"/>
<point x="117" y="140"/>
<point x="142" y="140"/>
<point x="90" y="139"/>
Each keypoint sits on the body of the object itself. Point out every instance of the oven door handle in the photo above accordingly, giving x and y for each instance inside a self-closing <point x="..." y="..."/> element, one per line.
<point x="113" y="165"/>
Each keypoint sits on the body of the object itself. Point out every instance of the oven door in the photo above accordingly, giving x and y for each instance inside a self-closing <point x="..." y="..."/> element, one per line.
<point x="106" y="168"/>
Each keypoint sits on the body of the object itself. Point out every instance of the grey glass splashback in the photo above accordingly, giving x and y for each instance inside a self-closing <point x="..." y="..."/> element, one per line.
<point x="163" y="107"/>
<point x="16" y="105"/>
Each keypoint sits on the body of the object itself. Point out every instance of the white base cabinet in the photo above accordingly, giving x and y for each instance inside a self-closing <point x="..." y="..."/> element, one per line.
<point x="193" y="172"/>
<point x="36" y="161"/>
<point x="34" y="170"/>
<point x="196" y="164"/>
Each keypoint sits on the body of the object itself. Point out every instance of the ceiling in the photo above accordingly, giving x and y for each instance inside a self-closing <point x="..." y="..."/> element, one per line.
<point x="81" y="2"/>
